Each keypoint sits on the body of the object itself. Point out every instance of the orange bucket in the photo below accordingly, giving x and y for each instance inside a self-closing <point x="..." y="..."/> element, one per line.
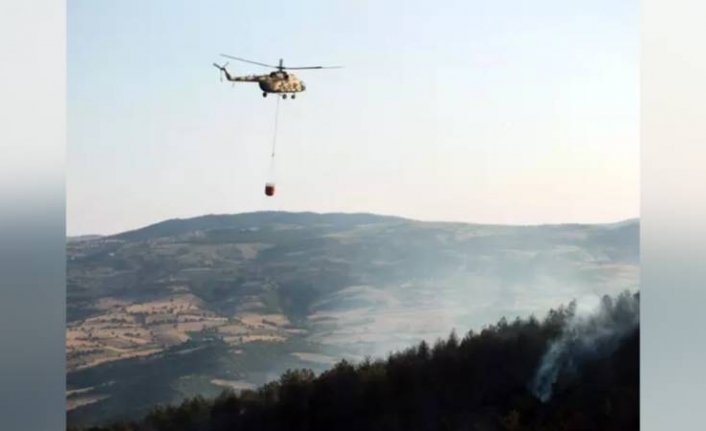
<point x="269" y="189"/>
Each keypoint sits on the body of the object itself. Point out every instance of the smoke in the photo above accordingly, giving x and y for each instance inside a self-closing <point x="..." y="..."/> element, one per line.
<point x="586" y="336"/>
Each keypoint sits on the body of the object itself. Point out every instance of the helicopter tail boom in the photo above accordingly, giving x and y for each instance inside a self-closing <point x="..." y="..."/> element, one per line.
<point x="249" y="78"/>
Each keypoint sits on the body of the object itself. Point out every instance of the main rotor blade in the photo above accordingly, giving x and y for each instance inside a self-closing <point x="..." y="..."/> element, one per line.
<point x="314" y="67"/>
<point x="249" y="61"/>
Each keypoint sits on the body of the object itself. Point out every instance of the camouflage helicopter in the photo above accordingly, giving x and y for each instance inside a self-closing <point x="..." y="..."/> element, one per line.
<point x="278" y="82"/>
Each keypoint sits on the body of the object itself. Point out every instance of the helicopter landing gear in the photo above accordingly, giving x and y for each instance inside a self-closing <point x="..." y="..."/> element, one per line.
<point x="294" y="96"/>
<point x="264" y="94"/>
<point x="284" y="96"/>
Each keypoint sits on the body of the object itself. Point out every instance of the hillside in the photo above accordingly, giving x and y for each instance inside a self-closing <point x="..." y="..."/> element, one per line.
<point x="187" y="307"/>
<point x="569" y="371"/>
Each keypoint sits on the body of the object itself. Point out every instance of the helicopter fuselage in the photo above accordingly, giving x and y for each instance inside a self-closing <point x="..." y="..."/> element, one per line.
<point x="275" y="82"/>
<point x="278" y="82"/>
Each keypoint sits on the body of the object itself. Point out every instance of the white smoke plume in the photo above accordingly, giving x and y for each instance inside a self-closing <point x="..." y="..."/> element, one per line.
<point x="586" y="337"/>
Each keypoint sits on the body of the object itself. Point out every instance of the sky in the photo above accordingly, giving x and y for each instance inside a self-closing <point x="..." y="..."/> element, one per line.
<point x="496" y="111"/>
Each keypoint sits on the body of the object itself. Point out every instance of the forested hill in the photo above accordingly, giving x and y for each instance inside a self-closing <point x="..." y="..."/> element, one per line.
<point x="569" y="371"/>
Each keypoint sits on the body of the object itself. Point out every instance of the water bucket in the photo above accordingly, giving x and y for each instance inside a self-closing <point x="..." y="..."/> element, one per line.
<point x="269" y="189"/>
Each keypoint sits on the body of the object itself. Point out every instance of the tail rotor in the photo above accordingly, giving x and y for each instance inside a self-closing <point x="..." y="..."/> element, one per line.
<point x="222" y="69"/>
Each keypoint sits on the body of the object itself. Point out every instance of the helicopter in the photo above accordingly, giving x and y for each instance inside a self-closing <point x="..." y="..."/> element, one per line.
<point x="278" y="82"/>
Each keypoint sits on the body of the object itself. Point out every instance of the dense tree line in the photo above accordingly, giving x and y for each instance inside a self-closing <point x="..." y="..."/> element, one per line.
<point x="481" y="381"/>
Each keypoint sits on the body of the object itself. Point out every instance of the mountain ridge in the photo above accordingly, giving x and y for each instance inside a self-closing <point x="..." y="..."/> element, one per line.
<point x="233" y="220"/>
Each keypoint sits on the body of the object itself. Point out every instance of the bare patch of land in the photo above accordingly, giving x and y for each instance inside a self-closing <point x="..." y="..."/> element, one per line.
<point x="129" y="330"/>
<point x="315" y="357"/>
<point x="73" y="403"/>
<point x="237" y="385"/>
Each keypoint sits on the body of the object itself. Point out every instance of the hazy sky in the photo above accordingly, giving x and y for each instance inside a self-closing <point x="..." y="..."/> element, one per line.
<point x="494" y="111"/>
